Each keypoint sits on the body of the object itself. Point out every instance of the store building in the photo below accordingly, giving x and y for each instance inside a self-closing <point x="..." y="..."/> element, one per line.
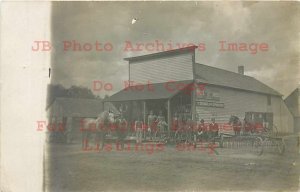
<point x="171" y="82"/>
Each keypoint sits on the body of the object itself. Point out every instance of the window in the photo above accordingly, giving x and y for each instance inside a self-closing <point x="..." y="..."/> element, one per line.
<point x="269" y="99"/>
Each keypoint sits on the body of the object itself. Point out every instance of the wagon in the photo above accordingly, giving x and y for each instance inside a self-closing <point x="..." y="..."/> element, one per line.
<point x="256" y="142"/>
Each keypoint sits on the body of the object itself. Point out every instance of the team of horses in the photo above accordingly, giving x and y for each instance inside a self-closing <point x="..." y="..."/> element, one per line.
<point x="247" y="127"/>
<point x="97" y="129"/>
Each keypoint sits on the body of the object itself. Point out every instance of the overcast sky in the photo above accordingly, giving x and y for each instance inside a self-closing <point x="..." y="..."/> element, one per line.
<point x="274" y="23"/>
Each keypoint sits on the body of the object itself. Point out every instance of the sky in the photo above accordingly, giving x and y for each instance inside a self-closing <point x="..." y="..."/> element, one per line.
<point x="273" y="23"/>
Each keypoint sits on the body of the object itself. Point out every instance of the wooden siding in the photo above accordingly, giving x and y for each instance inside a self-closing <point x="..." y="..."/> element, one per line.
<point x="175" y="68"/>
<point x="237" y="102"/>
<point x="293" y="102"/>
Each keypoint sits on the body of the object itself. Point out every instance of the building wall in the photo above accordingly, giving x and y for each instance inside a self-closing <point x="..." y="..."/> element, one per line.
<point x="160" y="70"/>
<point x="293" y="102"/>
<point x="282" y="116"/>
<point x="238" y="102"/>
<point x="297" y="124"/>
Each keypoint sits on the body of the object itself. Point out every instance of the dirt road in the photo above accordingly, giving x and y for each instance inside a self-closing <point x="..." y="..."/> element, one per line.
<point x="71" y="169"/>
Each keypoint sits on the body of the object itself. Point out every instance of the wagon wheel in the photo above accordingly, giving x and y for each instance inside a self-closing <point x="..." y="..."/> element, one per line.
<point x="156" y="136"/>
<point x="258" y="146"/>
<point x="177" y="137"/>
<point x="161" y="137"/>
<point x="184" y="137"/>
<point x="180" y="136"/>
<point x="165" y="138"/>
<point x="280" y="146"/>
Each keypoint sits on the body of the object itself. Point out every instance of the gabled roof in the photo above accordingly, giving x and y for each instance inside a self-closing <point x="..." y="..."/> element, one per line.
<point x="221" y="77"/>
<point x="155" y="91"/>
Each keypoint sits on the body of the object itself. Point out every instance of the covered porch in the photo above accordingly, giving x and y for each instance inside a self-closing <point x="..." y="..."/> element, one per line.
<point x="166" y="99"/>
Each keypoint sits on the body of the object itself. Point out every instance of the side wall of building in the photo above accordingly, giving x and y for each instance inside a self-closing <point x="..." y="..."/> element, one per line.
<point x="238" y="102"/>
<point x="296" y="124"/>
<point x="283" y="118"/>
<point x="293" y="103"/>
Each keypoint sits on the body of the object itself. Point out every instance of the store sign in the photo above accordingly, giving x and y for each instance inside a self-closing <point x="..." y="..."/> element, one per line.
<point x="208" y="95"/>
<point x="209" y="104"/>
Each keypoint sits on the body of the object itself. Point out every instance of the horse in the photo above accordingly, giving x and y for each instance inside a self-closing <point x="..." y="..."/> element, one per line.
<point x="249" y="127"/>
<point x="236" y="124"/>
<point x="96" y="127"/>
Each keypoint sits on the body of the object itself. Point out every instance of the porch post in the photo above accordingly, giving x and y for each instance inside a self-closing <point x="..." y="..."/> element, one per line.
<point x="144" y="110"/>
<point x="193" y="103"/>
<point x="169" y="116"/>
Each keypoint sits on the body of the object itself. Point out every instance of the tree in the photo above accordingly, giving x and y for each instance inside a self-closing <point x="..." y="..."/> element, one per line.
<point x="80" y="92"/>
<point x="74" y="91"/>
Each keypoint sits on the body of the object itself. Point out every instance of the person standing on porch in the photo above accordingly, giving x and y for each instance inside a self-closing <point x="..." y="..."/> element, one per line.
<point x="138" y="125"/>
<point x="160" y="117"/>
<point x="175" y="123"/>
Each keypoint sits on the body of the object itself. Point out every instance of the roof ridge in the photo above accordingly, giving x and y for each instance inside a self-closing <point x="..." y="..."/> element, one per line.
<point x="238" y="75"/>
<point x="149" y="83"/>
<point x="77" y="98"/>
<point x="224" y="70"/>
<point x="266" y="85"/>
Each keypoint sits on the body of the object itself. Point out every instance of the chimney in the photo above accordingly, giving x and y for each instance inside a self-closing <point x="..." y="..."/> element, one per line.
<point x="241" y="69"/>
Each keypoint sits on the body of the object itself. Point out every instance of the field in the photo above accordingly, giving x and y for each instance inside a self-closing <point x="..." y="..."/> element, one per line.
<point x="69" y="168"/>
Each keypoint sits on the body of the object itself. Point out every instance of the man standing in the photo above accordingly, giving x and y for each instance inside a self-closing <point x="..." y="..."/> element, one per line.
<point x="189" y="129"/>
<point x="213" y="128"/>
<point x="175" y="125"/>
<point x="138" y="125"/>
<point x="124" y="129"/>
<point x="151" y="123"/>
<point x="202" y="130"/>
<point x="160" y="117"/>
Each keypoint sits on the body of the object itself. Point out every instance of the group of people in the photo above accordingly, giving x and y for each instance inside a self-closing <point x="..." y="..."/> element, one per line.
<point x="156" y="125"/>
<point x="246" y="127"/>
<point x="195" y="131"/>
<point x="250" y="127"/>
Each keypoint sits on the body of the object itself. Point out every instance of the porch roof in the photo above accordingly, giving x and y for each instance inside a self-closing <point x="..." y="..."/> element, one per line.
<point x="150" y="91"/>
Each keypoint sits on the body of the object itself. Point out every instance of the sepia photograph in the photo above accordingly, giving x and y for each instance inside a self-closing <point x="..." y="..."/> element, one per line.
<point x="161" y="96"/>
